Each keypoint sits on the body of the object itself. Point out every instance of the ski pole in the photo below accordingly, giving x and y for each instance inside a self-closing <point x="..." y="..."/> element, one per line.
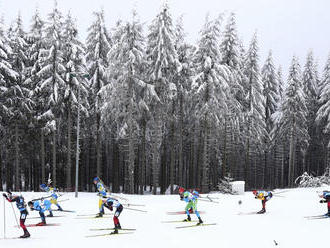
<point x="12" y="207"/>
<point x="139" y="210"/>
<point x="207" y="200"/>
<point x="133" y="205"/>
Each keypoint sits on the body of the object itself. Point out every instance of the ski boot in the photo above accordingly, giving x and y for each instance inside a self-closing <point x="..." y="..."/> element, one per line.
<point x="200" y="221"/>
<point x="25" y="235"/>
<point x="262" y="211"/>
<point x="59" y="208"/>
<point x="99" y="215"/>
<point x="117" y="226"/>
<point x="115" y="231"/>
<point x="50" y="214"/>
<point x="43" y="223"/>
<point x="188" y="219"/>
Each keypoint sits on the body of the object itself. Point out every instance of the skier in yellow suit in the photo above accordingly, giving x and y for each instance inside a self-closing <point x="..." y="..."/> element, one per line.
<point x="264" y="196"/>
<point x="102" y="192"/>
<point x="54" y="196"/>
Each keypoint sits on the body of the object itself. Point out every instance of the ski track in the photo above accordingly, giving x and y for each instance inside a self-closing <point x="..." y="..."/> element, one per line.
<point x="283" y="223"/>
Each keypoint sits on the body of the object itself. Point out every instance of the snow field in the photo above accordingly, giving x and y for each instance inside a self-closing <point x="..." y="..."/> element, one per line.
<point x="284" y="222"/>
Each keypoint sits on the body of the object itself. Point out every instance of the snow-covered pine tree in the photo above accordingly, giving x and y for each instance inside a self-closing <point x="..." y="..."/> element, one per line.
<point x="310" y="86"/>
<point x="323" y="113"/>
<point x="51" y="76"/>
<point x="280" y="81"/>
<point x="122" y="102"/>
<point x="35" y="45"/>
<point x="211" y="90"/>
<point x="292" y="124"/>
<point x="6" y="71"/>
<point x="254" y="112"/>
<point x="162" y="62"/>
<point x="271" y="95"/>
<point x="183" y="100"/>
<point x="230" y="56"/>
<point x="98" y="44"/>
<point x="75" y="89"/>
<point x="18" y="95"/>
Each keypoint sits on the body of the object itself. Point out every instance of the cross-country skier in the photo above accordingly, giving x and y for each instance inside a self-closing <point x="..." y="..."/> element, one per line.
<point x="326" y="199"/>
<point x="264" y="196"/>
<point x="111" y="203"/>
<point x="41" y="207"/>
<point x="191" y="199"/>
<point x="49" y="189"/>
<point x="102" y="192"/>
<point x="20" y="204"/>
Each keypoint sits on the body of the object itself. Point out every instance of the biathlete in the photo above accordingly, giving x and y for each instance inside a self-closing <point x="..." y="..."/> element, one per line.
<point x="54" y="196"/>
<point x="20" y="204"/>
<point x="264" y="196"/>
<point x="111" y="203"/>
<point x="326" y="199"/>
<point x="191" y="198"/>
<point x="41" y="207"/>
<point x="102" y="192"/>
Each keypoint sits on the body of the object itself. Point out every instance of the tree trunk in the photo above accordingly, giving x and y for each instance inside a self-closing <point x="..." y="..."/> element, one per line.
<point x="131" y="159"/>
<point x="172" y="156"/>
<point x="205" y="169"/>
<point x="157" y="137"/>
<point x="69" y="162"/>
<point x="43" y="167"/>
<point x="54" y="157"/>
<point x="224" y="160"/>
<point x="17" y="169"/>
<point x="143" y="158"/>
<point x="98" y="145"/>
<point x="180" y="152"/>
<point x="291" y="157"/>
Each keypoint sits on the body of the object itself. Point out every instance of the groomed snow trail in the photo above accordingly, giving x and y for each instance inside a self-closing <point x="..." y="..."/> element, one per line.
<point x="283" y="224"/>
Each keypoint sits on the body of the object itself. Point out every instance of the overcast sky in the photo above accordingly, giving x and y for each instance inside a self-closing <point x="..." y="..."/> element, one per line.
<point x="287" y="27"/>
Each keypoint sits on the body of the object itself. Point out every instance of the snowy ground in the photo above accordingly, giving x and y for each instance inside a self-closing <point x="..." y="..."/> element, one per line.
<point x="284" y="223"/>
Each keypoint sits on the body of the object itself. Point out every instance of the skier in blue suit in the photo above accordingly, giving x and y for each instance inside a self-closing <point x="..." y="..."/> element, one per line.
<point x="41" y="207"/>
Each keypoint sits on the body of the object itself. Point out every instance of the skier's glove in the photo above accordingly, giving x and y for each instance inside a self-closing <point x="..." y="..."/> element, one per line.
<point x="111" y="208"/>
<point x="5" y="195"/>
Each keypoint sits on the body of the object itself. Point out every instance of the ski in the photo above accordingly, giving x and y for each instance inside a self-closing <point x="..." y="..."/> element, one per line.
<point x="196" y="225"/>
<point x="104" y="229"/>
<point x="182" y="212"/>
<point x="64" y="211"/>
<point x="322" y="216"/>
<point x="93" y="217"/>
<point x="313" y="216"/>
<point x="178" y="221"/>
<point x="35" y="225"/>
<point x="107" y="234"/>
<point x="55" y="216"/>
<point x="318" y="218"/>
<point x="248" y="213"/>
<point x="8" y="238"/>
